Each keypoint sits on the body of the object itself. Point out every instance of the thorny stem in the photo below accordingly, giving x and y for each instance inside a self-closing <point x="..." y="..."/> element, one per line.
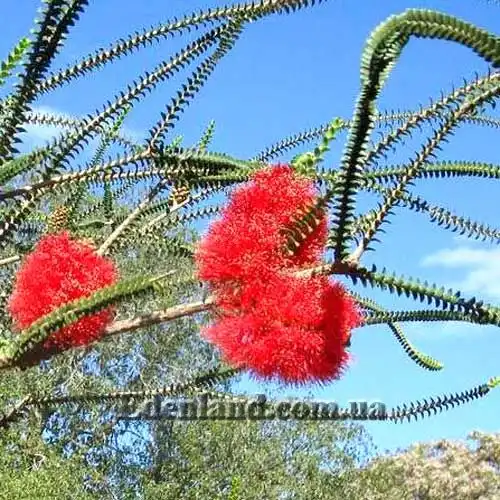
<point x="132" y="216"/>
<point x="137" y="211"/>
<point x="174" y="208"/>
<point x="10" y="357"/>
<point x="75" y="176"/>
<point x="427" y="113"/>
<point x="181" y="310"/>
<point x="395" y="193"/>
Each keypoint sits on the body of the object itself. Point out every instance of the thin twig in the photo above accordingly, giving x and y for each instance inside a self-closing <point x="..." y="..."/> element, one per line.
<point x="175" y="207"/>
<point x="130" y="218"/>
<point x="9" y="260"/>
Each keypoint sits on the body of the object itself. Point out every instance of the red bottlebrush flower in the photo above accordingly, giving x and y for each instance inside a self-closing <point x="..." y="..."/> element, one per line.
<point x="269" y="321"/>
<point x="248" y="239"/>
<point x="289" y="328"/>
<point x="58" y="271"/>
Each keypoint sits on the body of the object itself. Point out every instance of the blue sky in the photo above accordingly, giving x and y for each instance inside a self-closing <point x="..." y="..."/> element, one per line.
<point x="290" y="73"/>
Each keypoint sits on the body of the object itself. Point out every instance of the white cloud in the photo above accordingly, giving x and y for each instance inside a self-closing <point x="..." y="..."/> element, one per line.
<point x="38" y="135"/>
<point x="480" y="269"/>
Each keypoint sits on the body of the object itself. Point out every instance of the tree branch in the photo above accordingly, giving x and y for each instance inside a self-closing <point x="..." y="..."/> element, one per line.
<point x="156" y="317"/>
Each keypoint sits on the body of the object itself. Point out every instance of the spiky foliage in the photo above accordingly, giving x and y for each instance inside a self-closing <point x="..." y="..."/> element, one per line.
<point x="166" y="183"/>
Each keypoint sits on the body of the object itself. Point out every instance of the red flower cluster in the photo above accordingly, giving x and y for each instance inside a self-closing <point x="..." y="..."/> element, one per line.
<point x="271" y="322"/>
<point x="58" y="271"/>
